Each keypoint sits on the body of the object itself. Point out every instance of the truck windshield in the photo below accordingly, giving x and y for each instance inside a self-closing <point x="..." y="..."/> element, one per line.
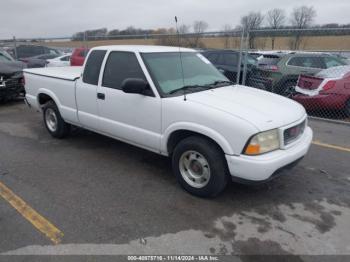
<point x="4" y="58"/>
<point x="165" y="69"/>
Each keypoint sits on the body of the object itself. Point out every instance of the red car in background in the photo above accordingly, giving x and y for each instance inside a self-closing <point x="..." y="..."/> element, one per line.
<point x="327" y="90"/>
<point x="78" y="56"/>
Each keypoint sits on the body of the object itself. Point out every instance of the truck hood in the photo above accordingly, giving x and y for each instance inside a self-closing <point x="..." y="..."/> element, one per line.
<point x="11" y="67"/>
<point x="262" y="109"/>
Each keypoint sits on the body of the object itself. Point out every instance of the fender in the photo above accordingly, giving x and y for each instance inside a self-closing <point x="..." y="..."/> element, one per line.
<point x="203" y="130"/>
<point x="68" y="114"/>
<point x="50" y="94"/>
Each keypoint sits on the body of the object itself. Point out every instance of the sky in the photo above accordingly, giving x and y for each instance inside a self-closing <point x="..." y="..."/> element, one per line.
<point x="62" y="18"/>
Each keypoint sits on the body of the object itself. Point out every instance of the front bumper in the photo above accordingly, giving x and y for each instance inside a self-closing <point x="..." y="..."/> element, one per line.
<point x="263" y="167"/>
<point x="11" y="88"/>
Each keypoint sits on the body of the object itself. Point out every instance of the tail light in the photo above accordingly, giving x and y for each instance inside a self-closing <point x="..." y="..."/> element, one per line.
<point x="329" y="85"/>
<point x="22" y="81"/>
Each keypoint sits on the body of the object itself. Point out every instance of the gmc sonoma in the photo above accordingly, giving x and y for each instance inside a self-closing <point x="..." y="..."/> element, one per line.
<point x="176" y="104"/>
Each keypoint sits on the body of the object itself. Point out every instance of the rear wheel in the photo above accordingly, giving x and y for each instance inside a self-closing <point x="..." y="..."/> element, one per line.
<point x="54" y="122"/>
<point x="200" y="166"/>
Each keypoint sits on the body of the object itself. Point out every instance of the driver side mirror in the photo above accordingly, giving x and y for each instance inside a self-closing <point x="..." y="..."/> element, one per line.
<point x="136" y="86"/>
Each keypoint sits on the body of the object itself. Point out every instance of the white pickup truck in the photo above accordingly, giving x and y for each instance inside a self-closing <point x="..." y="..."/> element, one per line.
<point x="176" y="104"/>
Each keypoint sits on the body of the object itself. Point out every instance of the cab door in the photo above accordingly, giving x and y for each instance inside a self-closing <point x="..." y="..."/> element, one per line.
<point x="134" y="118"/>
<point x="86" y="91"/>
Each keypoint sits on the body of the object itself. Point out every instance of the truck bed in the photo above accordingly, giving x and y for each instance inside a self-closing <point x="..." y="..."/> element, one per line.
<point x="66" y="73"/>
<point x="56" y="82"/>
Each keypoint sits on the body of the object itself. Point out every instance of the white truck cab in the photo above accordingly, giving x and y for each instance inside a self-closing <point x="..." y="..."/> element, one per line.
<point x="176" y="103"/>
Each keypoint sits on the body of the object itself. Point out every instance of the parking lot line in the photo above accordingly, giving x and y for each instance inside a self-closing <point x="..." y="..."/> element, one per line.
<point x="340" y="148"/>
<point x="38" y="221"/>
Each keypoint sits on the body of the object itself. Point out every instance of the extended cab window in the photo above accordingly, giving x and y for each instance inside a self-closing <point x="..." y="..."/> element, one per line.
<point x="93" y="67"/>
<point x="120" y="66"/>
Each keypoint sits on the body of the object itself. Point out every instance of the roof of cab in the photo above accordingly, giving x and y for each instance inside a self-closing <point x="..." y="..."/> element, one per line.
<point x="143" y="48"/>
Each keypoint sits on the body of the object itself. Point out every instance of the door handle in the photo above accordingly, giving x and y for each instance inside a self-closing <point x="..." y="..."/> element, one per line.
<point x="101" y="96"/>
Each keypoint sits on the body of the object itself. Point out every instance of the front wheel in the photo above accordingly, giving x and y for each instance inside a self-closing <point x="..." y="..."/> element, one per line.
<point x="200" y="166"/>
<point x="54" y="122"/>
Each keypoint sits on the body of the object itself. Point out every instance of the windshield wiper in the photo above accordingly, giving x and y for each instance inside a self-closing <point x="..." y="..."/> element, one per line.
<point x="221" y="82"/>
<point x="204" y="87"/>
<point x="184" y="88"/>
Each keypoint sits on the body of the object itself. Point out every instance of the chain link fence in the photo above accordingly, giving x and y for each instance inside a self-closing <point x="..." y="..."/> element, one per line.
<point x="310" y="66"/>
<point x="319" y="80"/>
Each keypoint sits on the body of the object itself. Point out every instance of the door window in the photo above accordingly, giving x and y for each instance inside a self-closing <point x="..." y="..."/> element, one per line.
<point x="310" y="62"/>
<point x="212" y="57"/>
<point x="65" y="58"/>
<point x="120" y="66"/>
<point x="230" y="59"/>
<point x="93" y="67"/>
<point x="296" y="61"/>
<point x="332" y="62"/>
<point x="221" y="59"/>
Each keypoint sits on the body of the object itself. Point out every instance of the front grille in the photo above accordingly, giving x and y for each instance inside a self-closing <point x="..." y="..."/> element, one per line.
<point x="12" y="84"/>
<point x="293" y="133"/>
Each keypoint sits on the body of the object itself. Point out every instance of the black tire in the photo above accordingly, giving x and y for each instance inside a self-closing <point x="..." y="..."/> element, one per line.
<point x="62" y="128"/>
<point x="215" y="158"/>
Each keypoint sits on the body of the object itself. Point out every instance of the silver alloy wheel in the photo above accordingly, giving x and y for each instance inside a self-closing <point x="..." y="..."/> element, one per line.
<point x="51" y="119"/>
<point x="194" y="169"/>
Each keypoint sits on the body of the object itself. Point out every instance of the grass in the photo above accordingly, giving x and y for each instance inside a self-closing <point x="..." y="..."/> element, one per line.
<point x="330" y="43"/>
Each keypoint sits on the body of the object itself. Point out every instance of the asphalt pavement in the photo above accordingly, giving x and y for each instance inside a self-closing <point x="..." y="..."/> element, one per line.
<point x="107" y="197"/>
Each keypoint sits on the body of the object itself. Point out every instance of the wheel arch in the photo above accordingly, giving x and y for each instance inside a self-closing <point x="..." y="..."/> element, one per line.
<point x="44" y="96"/>
<point x="174" y="134"/>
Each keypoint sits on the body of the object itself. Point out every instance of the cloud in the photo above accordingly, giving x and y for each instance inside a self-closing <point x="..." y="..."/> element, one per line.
<point x="57" y="18"/>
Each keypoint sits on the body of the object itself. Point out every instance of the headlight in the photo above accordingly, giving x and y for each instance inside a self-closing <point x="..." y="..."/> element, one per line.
<point x="262" y="143"/>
